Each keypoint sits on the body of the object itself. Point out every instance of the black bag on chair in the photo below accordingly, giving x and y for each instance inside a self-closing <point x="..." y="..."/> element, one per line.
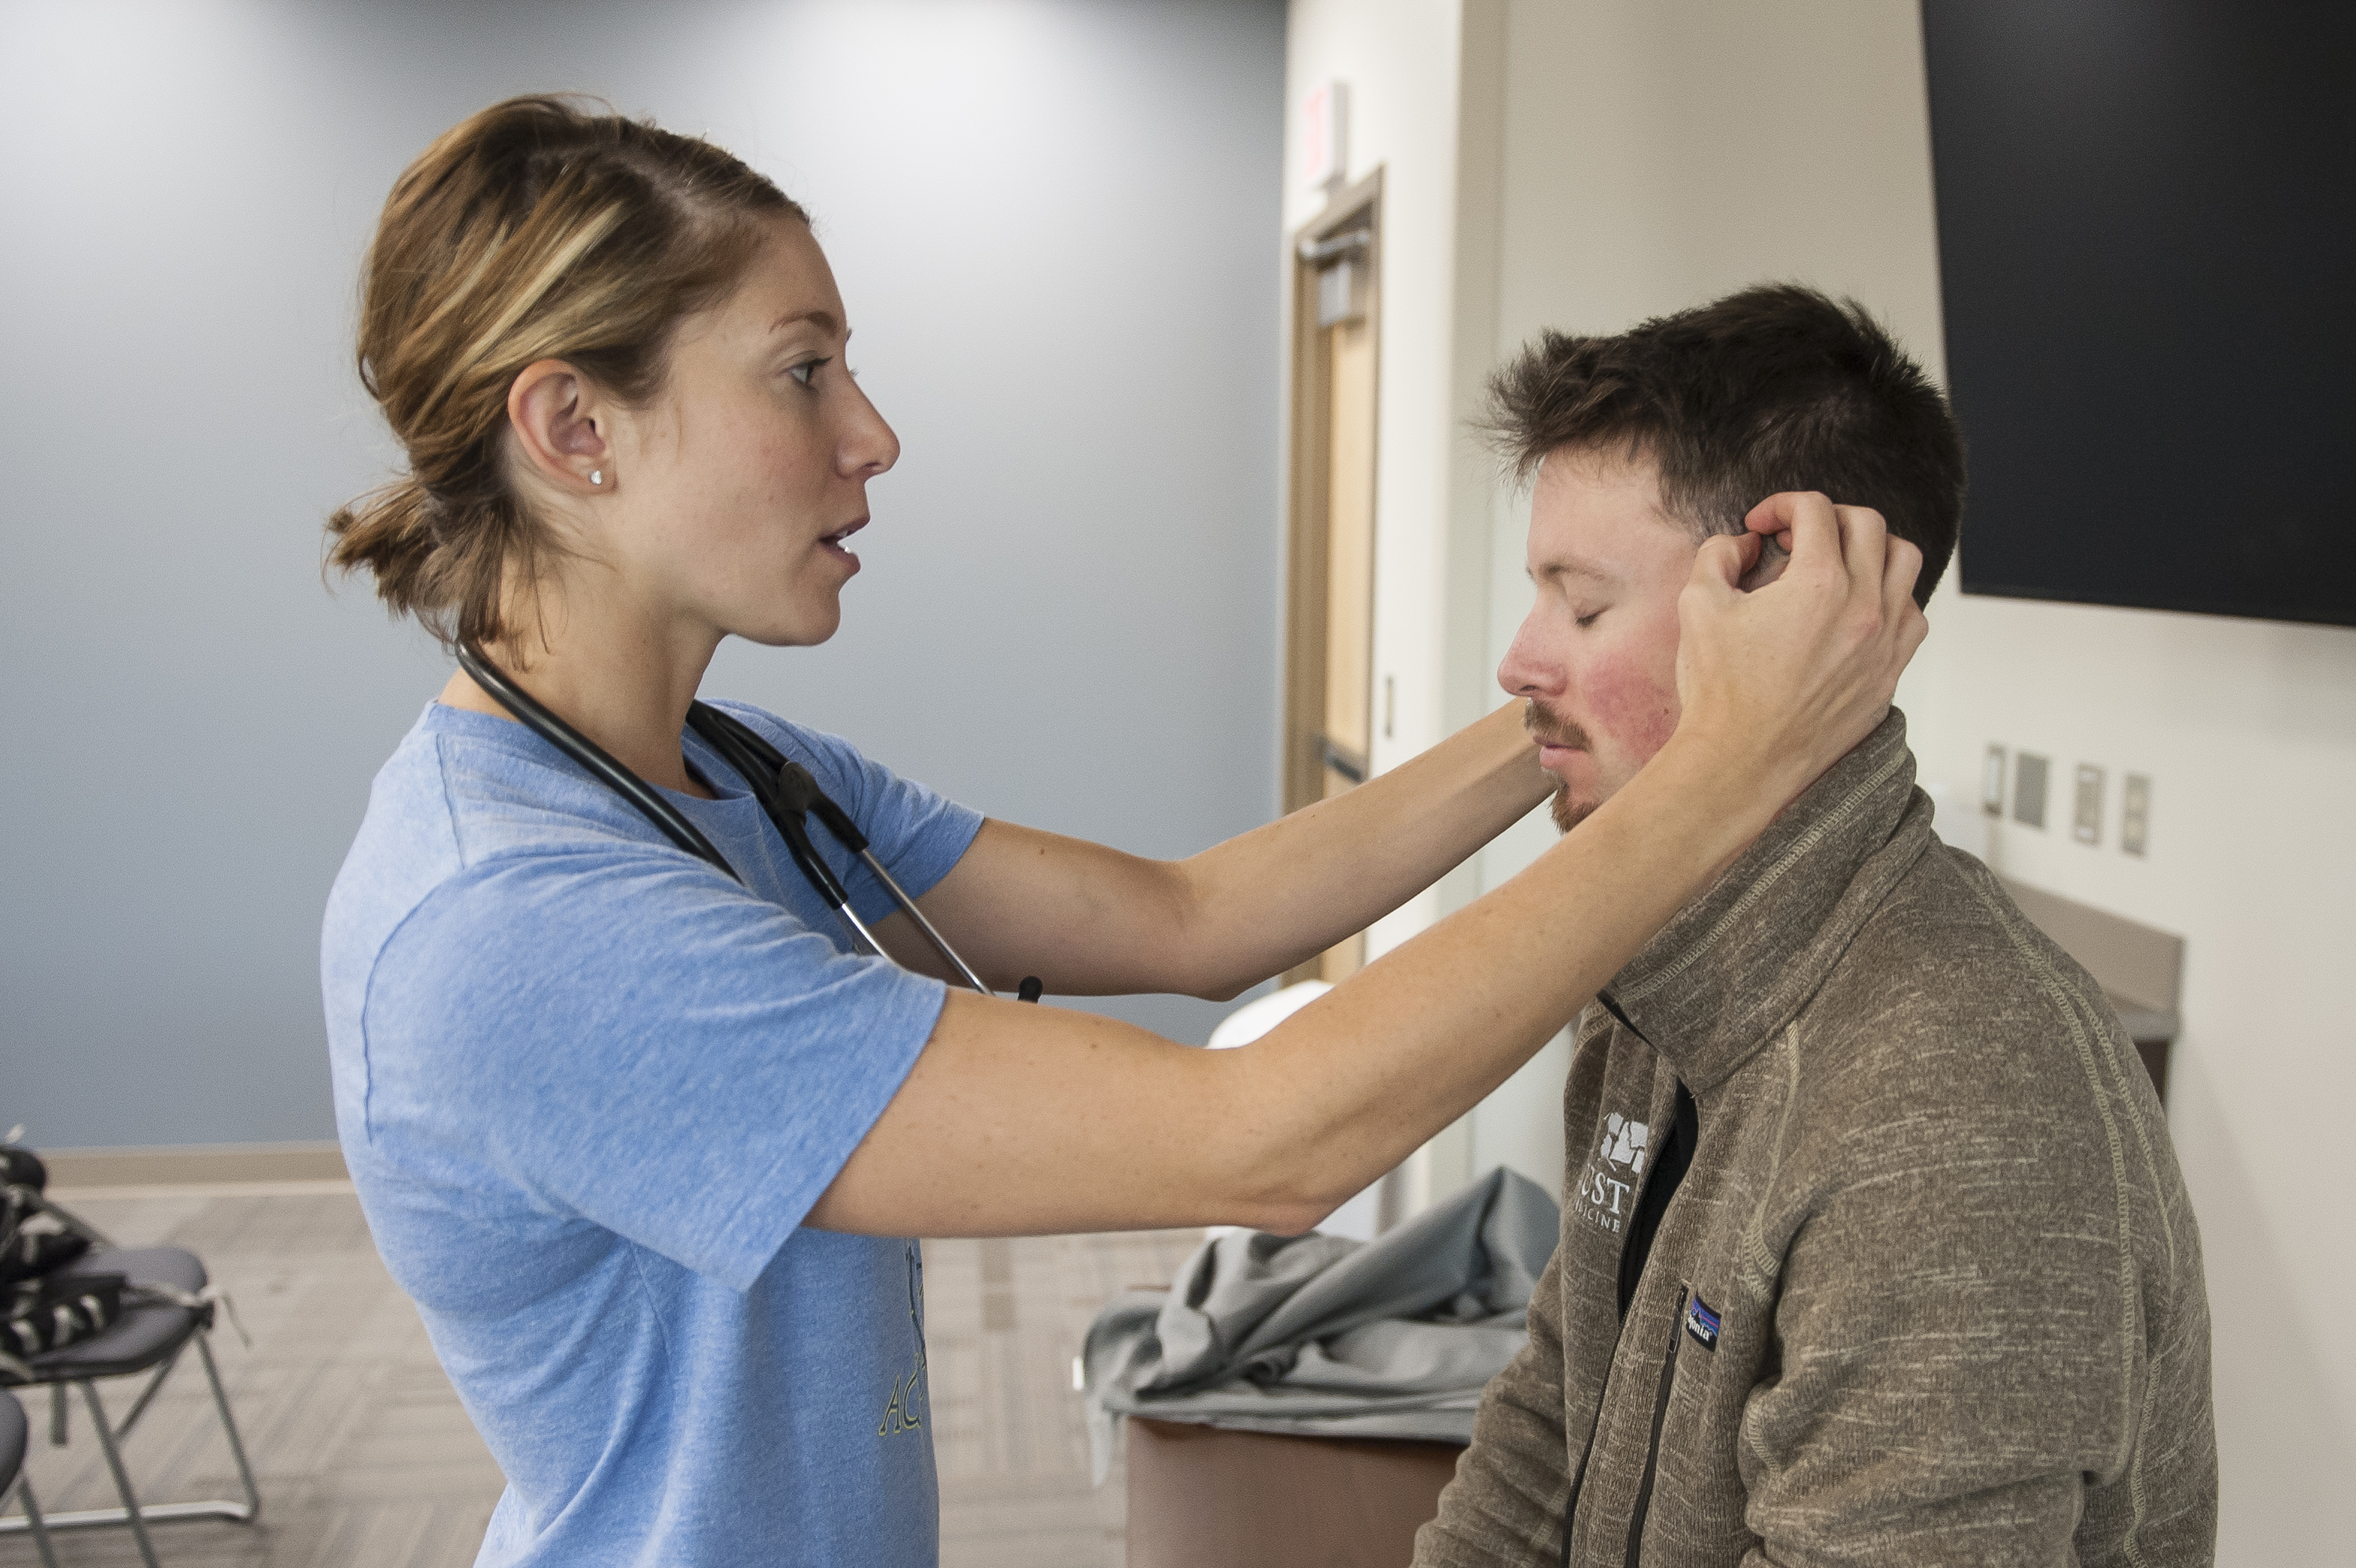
<point x="19" y="1166"/>
<point x="32" y="1253"/>
<point x="39" y="1313"/>
<point x="29" y="1250"/>
<point x="49" y="1314"/>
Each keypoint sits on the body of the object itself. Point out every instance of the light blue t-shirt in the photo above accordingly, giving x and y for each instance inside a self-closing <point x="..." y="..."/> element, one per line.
<point x="588" y="1087"/>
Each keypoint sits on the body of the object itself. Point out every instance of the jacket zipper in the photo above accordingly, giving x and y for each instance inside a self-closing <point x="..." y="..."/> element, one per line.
<point x="1653" y="1452"/>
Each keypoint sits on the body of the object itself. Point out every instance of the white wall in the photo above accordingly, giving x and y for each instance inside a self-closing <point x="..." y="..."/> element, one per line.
<point x="1652" y="156"/>
<point x="1051" y="219"/>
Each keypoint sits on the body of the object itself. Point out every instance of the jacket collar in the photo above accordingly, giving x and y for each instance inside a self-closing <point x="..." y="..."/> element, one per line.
<point x="1738" y="963"/>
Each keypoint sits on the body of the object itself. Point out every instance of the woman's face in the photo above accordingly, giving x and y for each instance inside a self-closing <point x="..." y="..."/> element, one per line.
<point x="737" y="488"/>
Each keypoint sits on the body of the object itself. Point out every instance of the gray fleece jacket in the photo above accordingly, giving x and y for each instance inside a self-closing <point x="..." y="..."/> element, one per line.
<point x="1930" y="1290"/>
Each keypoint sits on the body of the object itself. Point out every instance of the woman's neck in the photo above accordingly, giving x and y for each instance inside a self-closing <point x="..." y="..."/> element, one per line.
<point x="624" y="684"/>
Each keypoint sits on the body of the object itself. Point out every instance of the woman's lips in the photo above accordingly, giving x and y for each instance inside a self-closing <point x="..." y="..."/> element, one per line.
<point x="832" y="543"/>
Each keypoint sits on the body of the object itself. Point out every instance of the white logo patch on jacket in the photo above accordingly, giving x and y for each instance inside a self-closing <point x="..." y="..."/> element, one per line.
<point x="1606" y="1193"/>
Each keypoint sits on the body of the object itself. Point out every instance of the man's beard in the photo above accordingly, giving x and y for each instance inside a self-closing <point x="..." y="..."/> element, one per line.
<point x="1568" y="813"/>
<point x="1544" y="726"/>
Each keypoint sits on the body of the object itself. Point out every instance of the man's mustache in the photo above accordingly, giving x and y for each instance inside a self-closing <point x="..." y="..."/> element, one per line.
<point x="1547" y="730"/>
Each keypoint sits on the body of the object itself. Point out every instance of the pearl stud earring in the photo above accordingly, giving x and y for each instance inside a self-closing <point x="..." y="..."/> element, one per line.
<point x="596" y="476"/>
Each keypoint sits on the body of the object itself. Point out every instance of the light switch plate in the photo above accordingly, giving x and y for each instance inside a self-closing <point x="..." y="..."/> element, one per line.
<point x="2135" y="815"/>
<point x="2028" y="790"/>
<point x="1992" y="782"/>
<point x="2086" y="819"/>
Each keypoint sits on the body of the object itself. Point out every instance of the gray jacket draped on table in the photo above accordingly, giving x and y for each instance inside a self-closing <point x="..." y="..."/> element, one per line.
<point x="1323" y="1334"/>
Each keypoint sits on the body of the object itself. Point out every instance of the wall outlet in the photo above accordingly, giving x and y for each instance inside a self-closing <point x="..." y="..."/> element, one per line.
<point x="1992" y="782"/>
<point x="2135" y="814"/>
<point x="2028" y="790"/>
<point x="2086" y="819"/>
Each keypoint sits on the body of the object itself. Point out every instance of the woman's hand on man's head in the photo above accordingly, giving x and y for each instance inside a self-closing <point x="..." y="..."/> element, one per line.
<point x="1783" y="681"/>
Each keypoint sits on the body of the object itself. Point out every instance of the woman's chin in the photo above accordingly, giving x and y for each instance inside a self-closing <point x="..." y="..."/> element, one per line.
<point x="810" y="626"/>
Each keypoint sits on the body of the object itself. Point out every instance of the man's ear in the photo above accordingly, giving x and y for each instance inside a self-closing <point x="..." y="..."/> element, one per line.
<point x="560" y="425"/>
<point x="1772" y="559"/>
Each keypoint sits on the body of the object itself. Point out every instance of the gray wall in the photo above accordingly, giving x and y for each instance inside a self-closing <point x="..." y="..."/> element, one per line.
<point x="1052" y="225"/>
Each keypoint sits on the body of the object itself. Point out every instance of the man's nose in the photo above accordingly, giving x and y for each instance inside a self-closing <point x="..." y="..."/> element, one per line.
<point x="1526" y="671"/>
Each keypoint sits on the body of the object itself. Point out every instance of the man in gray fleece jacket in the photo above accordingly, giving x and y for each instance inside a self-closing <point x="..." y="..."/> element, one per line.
<point x="1874" y="1248"/>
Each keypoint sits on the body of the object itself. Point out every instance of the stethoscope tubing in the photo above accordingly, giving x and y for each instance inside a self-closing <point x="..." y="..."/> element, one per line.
<point x="908" y="906"/>
<point x="785" y="790"/>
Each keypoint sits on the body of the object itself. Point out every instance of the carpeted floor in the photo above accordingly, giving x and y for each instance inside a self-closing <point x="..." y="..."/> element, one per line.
<point x="365" y="1459"/>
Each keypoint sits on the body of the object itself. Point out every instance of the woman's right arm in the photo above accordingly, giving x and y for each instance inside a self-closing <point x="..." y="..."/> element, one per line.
<point x="1019" y="1120"/>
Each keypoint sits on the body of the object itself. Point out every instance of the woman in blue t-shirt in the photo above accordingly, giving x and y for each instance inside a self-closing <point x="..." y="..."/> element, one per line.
<point x="643" y="1140"/>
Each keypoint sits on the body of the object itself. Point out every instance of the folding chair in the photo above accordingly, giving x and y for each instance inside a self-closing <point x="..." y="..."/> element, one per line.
<point x="149" y="1337"/>
<point x="12" y="1465"/>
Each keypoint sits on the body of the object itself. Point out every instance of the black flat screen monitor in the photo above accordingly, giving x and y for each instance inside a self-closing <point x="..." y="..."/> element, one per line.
<point x="2147" y="246"/>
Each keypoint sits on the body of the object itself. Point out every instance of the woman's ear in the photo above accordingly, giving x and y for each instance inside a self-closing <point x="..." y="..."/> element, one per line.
<point x="560" y="425"/>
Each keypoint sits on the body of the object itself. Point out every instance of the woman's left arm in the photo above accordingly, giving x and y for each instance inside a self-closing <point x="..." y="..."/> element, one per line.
<point x="1092" y="921"/>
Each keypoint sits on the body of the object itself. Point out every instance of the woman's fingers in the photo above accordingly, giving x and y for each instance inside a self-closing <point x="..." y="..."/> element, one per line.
<point x="1792" y="674"/>
<point x="1783" y="515"/>
<point x="1818" y="533"/>
<point x="1905" y="616"/>
<point x="1899" y="571"/>
<point x="1770" y="520"/>
<point x="1850" y="546"/>
<point x="1726" y="558"/>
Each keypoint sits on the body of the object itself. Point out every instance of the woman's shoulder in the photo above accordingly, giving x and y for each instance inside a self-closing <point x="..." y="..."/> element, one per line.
<point x="503" y="790"/>
<point x="461" y="794"/>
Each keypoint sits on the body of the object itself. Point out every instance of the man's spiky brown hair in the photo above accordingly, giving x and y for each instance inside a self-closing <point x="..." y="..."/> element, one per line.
<point x="1776" y="388"/>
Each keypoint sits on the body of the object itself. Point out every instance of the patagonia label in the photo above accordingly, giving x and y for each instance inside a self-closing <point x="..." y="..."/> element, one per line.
<point x="1701" y="1322"/>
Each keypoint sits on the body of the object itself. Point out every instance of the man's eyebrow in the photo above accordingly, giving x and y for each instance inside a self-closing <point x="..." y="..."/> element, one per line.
<point x="822" y="319"/>
<point x="1573" y="568"/>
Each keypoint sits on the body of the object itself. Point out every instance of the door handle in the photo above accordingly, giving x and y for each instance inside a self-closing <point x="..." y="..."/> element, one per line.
<point x="1349" y="764"/>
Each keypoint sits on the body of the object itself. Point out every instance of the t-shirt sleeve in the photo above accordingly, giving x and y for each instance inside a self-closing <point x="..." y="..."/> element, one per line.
<point x="917" y="833"/>
<point x="627" y="1039"/>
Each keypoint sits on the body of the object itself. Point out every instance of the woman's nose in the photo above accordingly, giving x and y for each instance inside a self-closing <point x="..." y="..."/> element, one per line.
<point x="869" y="447"/>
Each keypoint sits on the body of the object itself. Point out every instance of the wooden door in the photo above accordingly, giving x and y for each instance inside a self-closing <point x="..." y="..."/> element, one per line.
<point x="1329" y="685"/>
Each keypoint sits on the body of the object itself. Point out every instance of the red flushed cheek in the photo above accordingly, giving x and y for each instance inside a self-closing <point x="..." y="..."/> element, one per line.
<point x="1628" y="712"/>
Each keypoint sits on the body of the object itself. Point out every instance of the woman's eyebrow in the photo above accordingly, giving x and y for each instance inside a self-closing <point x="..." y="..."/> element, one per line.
<point x="822" y="319"/>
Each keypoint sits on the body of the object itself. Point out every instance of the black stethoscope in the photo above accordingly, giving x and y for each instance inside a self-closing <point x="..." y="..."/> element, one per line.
<point x="784" y="787"/>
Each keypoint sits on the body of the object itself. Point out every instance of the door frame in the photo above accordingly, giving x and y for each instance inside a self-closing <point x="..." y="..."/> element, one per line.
<point x="1307" y="464"/>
